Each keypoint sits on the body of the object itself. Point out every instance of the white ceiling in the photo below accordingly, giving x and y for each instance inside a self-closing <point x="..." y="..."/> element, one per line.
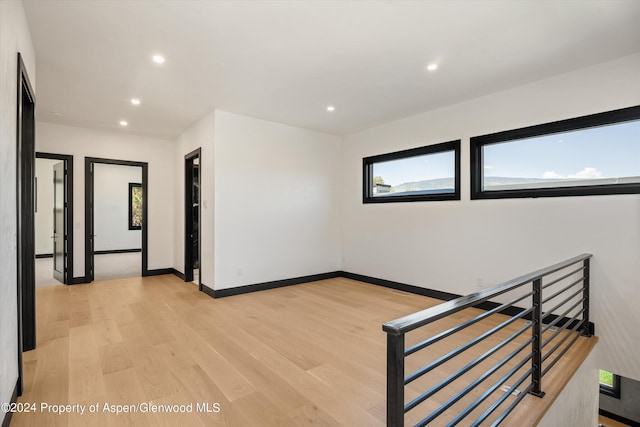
<point x="286" y="61"/>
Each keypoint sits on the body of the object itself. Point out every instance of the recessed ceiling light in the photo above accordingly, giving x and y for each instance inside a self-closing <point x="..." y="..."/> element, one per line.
<point x="123" y="123"/>
<point x="432" y="67"/>
<point x="331" y="108"/>
<point x="56" y="113"/>
<point x="135" y="101"/>
<point x="158" y="59"/>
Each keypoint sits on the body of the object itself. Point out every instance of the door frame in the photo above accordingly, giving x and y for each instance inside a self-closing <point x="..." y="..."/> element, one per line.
<point x="25" y="221"/>
<point x="89" y="217"/>
<point x="188" y="213"/>
<point x="68" y="212"/>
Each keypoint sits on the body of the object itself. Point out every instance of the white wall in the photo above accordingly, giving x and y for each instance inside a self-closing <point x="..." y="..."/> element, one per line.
<point x="111" y="207"/>
<point x="44" y="205"/>
<point x="577" y="404"/>
<point x="200" y="135"/>
<point x="448" y="245"/>
<point x="14" y="38"/>
<point x="157" y="153"/>
<point x="277" y="201"/>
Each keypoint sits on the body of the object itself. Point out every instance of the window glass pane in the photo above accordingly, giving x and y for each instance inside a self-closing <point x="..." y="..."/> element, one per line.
<point x="601" y="155"/>
<point x="426" y="174"/>
<point x="606" y="378"/>
<point x="135" y="206"/>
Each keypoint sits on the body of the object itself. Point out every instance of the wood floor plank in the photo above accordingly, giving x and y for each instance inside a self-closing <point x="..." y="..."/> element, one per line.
<point x="114" y="358"/>
<point x="180" y="410"/>
<point x="123" y="388"/>
<point x="201" y="389"/>
<point x="175" y="356"/>
<point x="106" y="332"/>
<point x="330" y="400"/>
<point x="231" y="382"/>
<point x="50" y="385"/>
<point x="270" y="384"/>
<point x="255" y="410"/>
<point x="154" y="375"/>
<point x="85" y="373"/>
<point x="148" y="319"/>
<point x="311" y="415"/>
<point x="354" y="391"/>
<point x="54" y="330"/>
<point x="51" y="379"/>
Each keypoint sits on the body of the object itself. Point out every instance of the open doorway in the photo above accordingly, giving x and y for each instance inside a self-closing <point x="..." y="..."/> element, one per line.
<point x="53" y="219"/>
<point x="115" y="219"/>
<point x="25" y="178"/>
<point x="192" y="213"/>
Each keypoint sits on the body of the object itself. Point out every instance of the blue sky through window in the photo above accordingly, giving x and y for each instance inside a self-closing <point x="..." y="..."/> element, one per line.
<point x="610" y="151"/>
<point x="419" y="168"/>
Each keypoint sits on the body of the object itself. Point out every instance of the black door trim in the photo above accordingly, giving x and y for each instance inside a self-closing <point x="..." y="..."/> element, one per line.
<point x="25" y="242"/>
<point x="188" y="213"/>
<point x="88" y="212"/>
<point x="68" y="222"/>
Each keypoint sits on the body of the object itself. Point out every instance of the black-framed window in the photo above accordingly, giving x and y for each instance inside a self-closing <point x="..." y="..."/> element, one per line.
<point x="589" y="155"/>
<point x="135" y="206"/>
<point x="419" y="174"/>
<point x="609" y="384"/>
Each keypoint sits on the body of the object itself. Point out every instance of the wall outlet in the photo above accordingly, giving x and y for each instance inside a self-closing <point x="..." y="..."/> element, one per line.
<point x="480" y="282"/>
<point x="239" y="271"/>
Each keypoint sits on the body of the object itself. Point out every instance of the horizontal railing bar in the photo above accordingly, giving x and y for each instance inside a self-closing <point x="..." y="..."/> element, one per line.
<point x="493" y="388"/>
<point x="442" y="384"/>
<point x="421" y="318"/>
<point x="483" y="377"/>
<point x="555" y="347"/>
<point x="420" y="372"/>
<point x="559" y="279"/>
<point x="499" y="402"/>
<point x="559" y="318"/>
<point x="445" y="334"/>
<point x="511" y="407"/>
<point x="575" y="338"/>
<point x="561" y="303"/>
<point x="549" y="298"/>
<point x="487" y="374"/>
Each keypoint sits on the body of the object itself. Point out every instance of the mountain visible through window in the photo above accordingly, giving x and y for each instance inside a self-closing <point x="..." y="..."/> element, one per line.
<point x="419" y="174"/>
<point x="594" y="156"/>
<point x="589" y="155"/>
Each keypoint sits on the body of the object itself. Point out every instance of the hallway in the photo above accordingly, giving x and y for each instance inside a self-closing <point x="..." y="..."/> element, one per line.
<point x="293" y="356"/>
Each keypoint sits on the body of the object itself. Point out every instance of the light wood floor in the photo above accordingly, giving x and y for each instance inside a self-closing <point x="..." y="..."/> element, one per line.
<point x="311" y="354"/>
<point x="608" y="422"/>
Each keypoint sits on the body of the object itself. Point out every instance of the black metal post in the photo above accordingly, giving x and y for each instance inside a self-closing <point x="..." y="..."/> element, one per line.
<point x="395" y="380"/>
<point x="586" y="330"/>
<point x="536" y="330"/>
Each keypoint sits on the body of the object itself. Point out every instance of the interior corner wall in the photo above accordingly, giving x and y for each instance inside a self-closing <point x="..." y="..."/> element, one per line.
<point x="158" y="153"/>
<point x="453" y="245"/>
<point x="14" y="38"/>
<point x="277" y="201"/>
<point x="200" y="135"/>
